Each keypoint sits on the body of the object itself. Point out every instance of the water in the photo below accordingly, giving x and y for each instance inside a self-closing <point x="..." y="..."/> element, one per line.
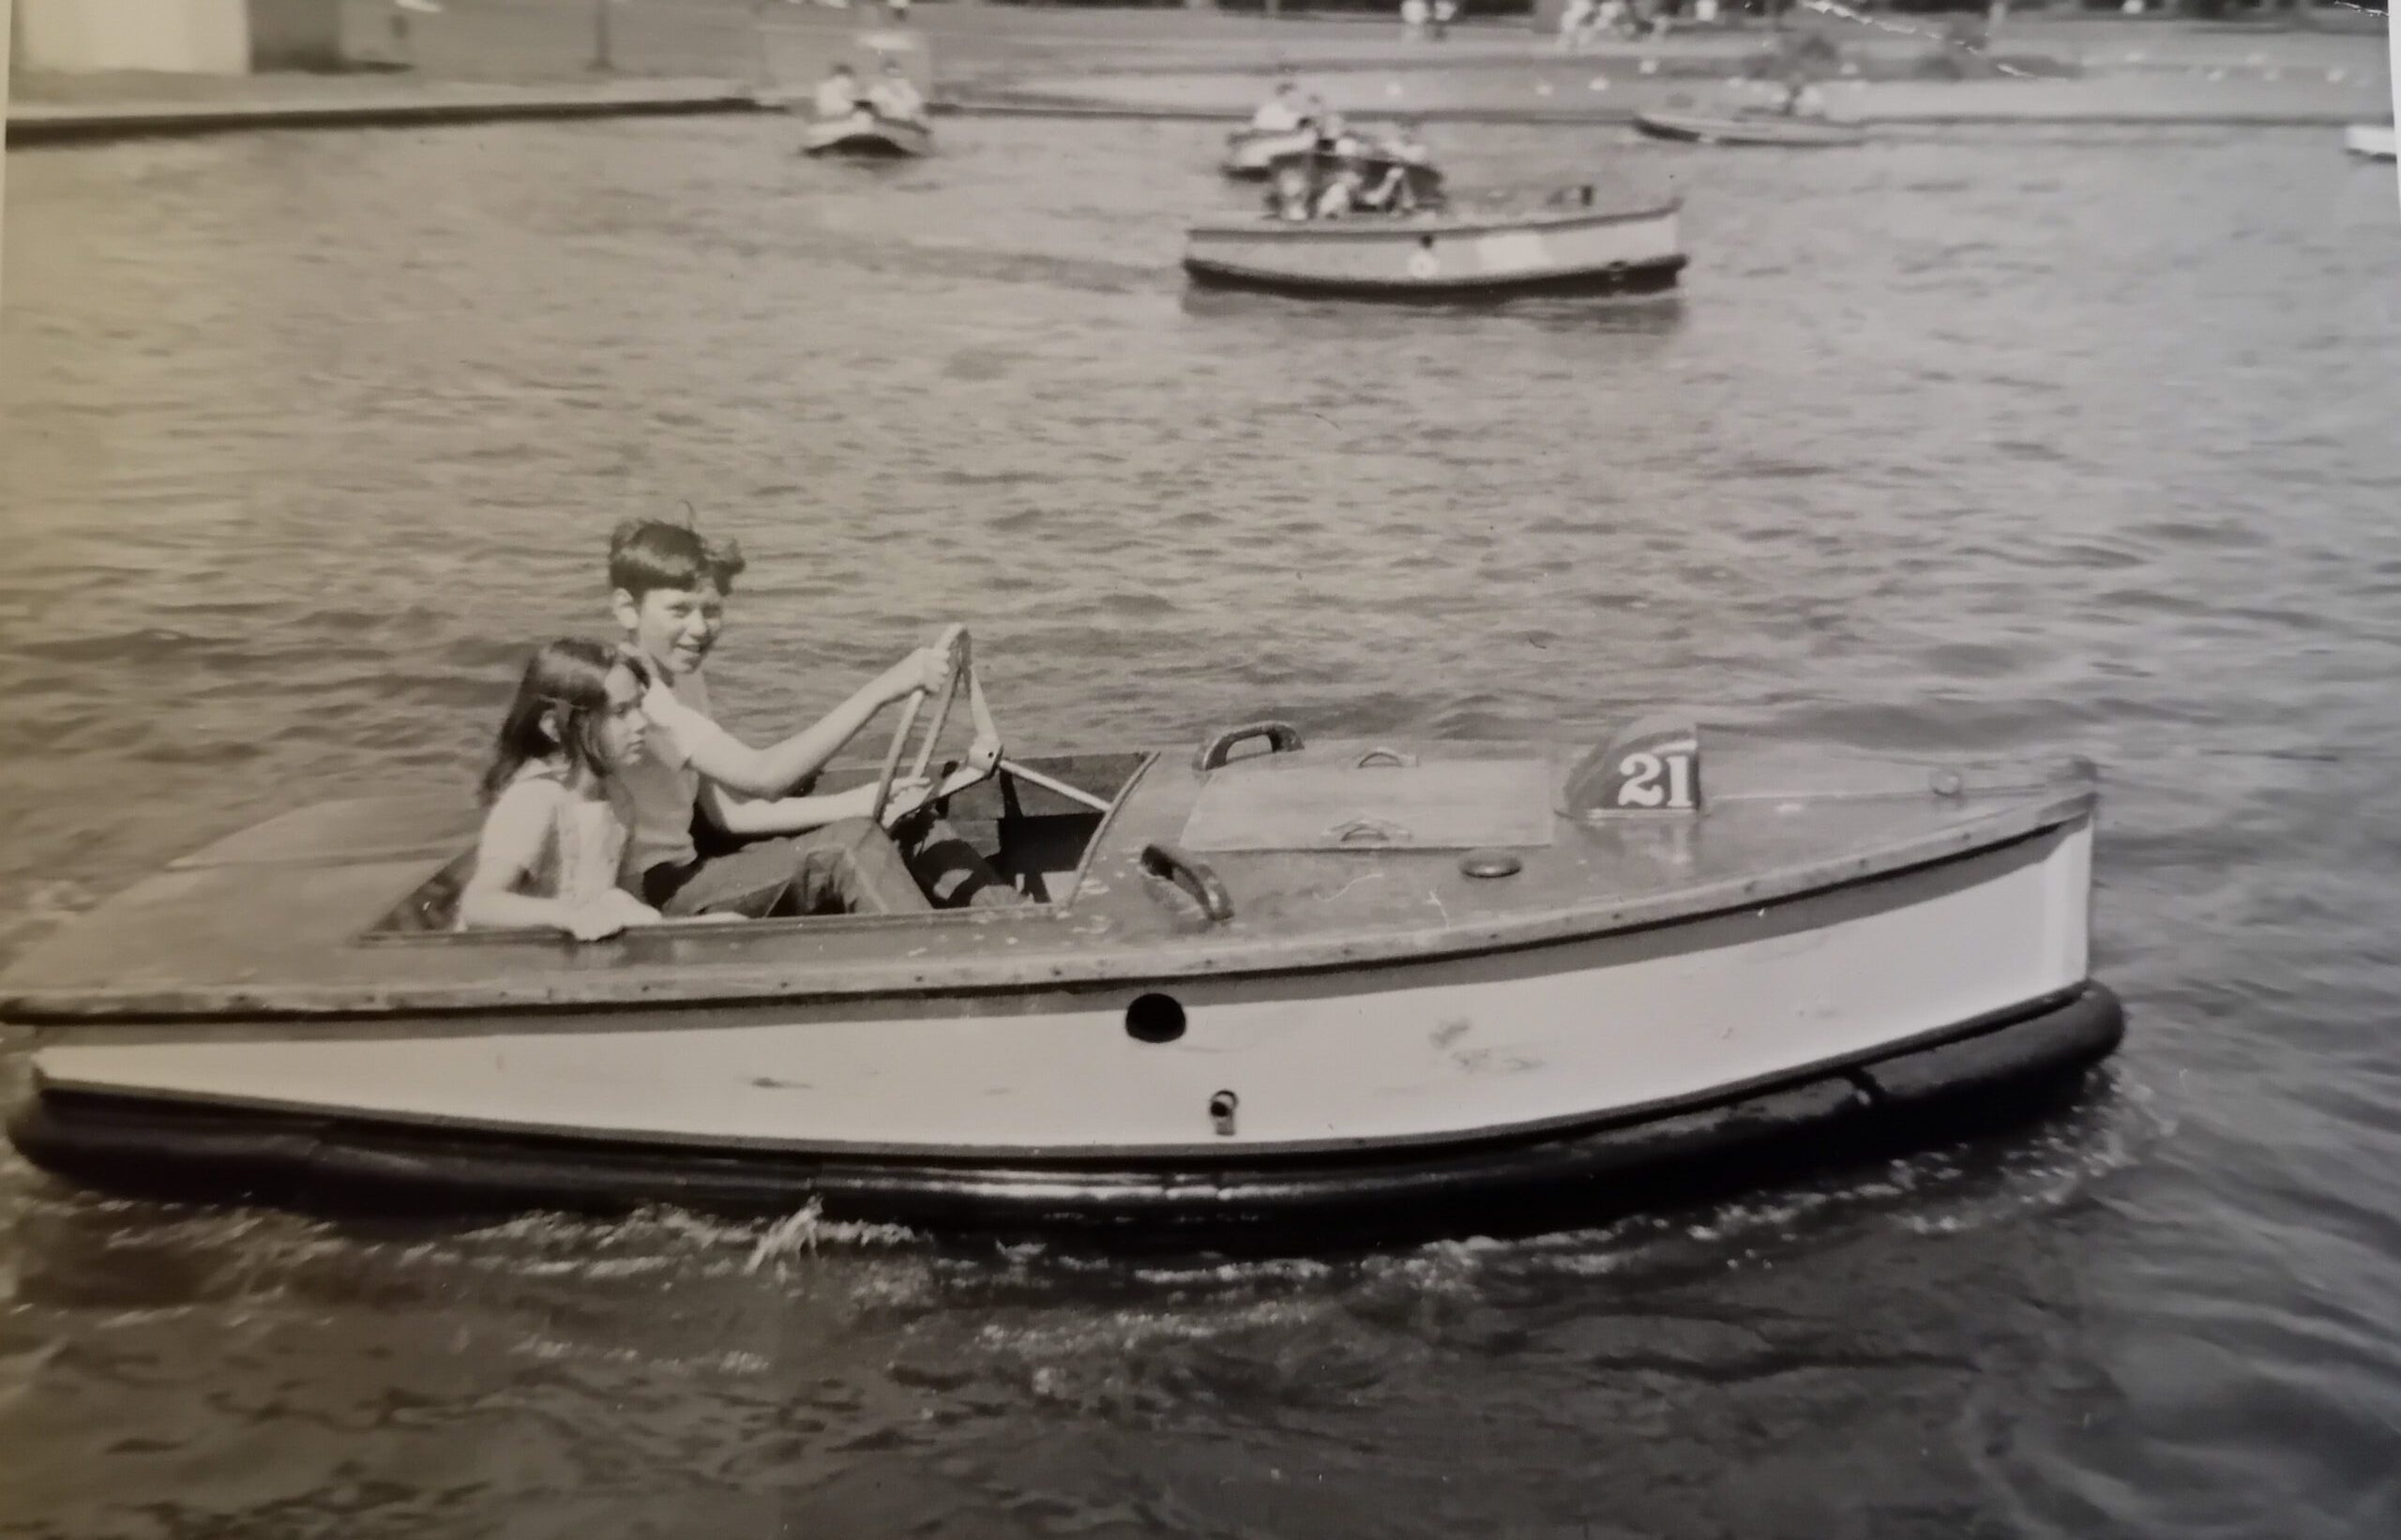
<point x="2029" y="442"/>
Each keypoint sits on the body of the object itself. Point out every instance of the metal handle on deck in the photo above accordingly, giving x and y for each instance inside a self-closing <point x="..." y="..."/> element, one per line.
<point x="1368" y="831"/>
<point x="1385" y="756"/>
<point x="1282" y="738"/>
<point x="1171" y="864"/>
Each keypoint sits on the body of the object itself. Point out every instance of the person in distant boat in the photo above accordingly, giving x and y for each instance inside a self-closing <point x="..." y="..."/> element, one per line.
<point x="1290" y="198"/>
<point x="1280" y="113"/>
<point x="1342" y="192"/>
<point x="895" y="97"/>
<point x="792" y="853"/>
<point x="837" y="95"/>
<point x="1801" y="98"/>
<point x="558" y="809"/>
<point x="1404" y="145"/>
<point x="1387" y="189"/>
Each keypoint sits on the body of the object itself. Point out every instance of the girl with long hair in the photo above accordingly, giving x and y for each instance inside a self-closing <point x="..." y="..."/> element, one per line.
<point x="556" y="819"/>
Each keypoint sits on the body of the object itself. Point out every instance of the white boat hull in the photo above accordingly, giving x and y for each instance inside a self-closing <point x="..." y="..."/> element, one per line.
<point x="2368" y="140"/>
<point x="1467" y="1048"/>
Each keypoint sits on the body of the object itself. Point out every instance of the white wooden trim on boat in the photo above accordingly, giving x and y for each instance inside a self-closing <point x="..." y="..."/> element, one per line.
<point x="1433" y="1050"/>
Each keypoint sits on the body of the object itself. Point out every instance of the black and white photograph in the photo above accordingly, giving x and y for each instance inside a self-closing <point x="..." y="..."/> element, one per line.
<point x="1595" y="769"/>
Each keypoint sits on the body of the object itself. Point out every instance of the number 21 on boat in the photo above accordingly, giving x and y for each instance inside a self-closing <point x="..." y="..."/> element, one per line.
<point x="1651" y="767"/>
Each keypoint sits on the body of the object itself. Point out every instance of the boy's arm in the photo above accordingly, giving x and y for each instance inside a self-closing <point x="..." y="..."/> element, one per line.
<point x="749" y="817"/>
<point x="725" y="761"/>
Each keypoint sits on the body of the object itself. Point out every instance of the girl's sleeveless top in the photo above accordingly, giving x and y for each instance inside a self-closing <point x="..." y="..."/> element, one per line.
<point x="585" y="842"/>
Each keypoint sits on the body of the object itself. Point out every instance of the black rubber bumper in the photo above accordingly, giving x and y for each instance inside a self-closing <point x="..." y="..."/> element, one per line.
<point x="1970" y="1083"/>
<point x="1625" y="278"/>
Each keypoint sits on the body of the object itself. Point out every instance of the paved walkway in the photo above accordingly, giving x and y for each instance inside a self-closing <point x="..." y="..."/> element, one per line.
<point x="116" y="107"/>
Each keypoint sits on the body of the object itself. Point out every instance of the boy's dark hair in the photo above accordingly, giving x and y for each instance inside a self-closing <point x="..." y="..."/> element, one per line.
<point x="647" y="554"/>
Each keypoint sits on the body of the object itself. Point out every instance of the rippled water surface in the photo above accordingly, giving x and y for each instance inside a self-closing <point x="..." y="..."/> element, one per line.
<point x="2061" y="445"/>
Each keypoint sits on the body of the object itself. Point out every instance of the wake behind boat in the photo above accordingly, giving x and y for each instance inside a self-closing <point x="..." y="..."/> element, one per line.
<point x="1355" y="979"/>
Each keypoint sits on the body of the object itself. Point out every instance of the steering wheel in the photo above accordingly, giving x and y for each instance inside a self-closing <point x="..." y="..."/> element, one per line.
<point x="957" y="669"/>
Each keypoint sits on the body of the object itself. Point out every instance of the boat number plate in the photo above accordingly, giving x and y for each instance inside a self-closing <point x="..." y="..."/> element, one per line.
<point x="1654" y="766"/>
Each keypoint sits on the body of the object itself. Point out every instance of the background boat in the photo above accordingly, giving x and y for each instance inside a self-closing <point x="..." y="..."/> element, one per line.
<point x="2374" y="141"/>
<point x="1464" y="252"/>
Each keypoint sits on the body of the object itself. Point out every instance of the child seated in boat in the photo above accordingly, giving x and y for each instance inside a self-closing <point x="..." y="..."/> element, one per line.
<point x="1404" y="145"/>
<point x="1281" y="113"/>
<point x="896" y="96"/>
<point x="837" y="95"/>
<point x="559" y="812"/>
<point x="1386" y="189"/>
<point x="790" y="853"/>
<point x="1290" y="198"/>
<point x="1342" y="192"/>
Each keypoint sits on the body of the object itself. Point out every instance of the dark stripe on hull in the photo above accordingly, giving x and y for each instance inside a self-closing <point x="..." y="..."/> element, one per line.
<point x="870" y="145"/>
<point x="1618" y="279"/>
<point x="1929" y="1093"/>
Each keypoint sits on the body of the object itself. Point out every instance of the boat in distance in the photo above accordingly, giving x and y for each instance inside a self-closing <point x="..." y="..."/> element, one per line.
<point x="1766" y="128"/>
<point x="1328" y="981"/>
<point x="2371" y="141"/>
<point x="1563" y="246"/>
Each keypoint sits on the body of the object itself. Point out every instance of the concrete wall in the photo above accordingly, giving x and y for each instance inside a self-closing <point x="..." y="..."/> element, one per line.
<point x="188" y="37"/>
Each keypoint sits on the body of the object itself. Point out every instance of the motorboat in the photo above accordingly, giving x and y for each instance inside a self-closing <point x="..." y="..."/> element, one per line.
<point x="1262" y="978"/>
<point x="1563" y="244"/>
<point x="1749" y="128"/>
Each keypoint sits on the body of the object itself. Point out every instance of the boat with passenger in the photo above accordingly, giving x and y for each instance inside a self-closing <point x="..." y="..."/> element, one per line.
<point x="1263" y="979"/>
<point x="886" y="118"/>
<point x="1565" y="242"/>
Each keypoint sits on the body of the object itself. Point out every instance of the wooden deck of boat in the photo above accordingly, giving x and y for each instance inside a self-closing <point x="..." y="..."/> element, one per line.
<point x="271" y="921"/>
